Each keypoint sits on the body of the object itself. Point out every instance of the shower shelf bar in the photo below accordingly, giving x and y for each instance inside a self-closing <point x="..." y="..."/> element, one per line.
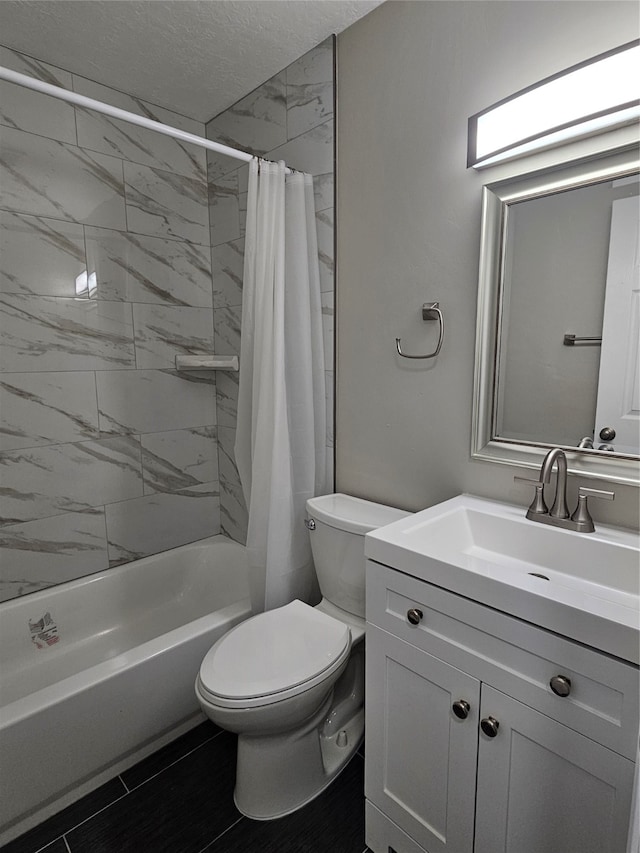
<point x="115" y="112"/>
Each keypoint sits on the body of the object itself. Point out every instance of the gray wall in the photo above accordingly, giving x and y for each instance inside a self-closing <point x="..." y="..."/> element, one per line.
<point x="408" y="215"/>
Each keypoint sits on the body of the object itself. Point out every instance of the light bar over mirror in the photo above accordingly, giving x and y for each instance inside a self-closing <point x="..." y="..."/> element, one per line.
<point x="596" y="95"/>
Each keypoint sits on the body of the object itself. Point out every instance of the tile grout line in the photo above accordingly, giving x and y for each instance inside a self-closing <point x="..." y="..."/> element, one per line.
<point x="63" y="835"/>
<point x="218" y="837"/>
<point x="127" y="791"/>
<point x="173" y="763"/>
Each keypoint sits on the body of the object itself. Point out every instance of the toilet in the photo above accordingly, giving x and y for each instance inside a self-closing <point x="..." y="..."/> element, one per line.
<point x="290" y="681"/>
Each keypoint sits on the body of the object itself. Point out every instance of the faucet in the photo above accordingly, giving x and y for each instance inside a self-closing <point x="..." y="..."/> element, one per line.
<point x="558" y="515"/>
<point x="559" y="507"/>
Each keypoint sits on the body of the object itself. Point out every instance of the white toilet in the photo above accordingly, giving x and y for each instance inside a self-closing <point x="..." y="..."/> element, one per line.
<point x="290" y="681"/>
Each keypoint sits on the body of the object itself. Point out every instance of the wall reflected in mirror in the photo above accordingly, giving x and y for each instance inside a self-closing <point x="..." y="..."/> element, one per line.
<point x="569" y="323"/>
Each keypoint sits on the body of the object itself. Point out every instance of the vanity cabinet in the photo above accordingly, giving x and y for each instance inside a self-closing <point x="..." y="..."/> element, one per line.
<point x="469" y="750"/>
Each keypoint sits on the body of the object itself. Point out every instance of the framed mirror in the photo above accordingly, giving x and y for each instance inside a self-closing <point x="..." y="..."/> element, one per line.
<point x="558" y="329"/>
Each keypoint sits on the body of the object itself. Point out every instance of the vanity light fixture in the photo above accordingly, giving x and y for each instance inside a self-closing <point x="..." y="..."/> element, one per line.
<point x="598" y="94"/>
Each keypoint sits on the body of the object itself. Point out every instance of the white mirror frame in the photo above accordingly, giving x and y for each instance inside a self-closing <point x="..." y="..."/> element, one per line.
<point x="496" y="198"/>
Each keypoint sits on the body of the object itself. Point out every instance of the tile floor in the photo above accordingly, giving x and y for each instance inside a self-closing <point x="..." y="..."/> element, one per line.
<point x="180" y="800"/>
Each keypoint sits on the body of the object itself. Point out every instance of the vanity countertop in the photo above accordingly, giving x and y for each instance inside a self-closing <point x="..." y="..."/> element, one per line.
<point x="584" y="586"/>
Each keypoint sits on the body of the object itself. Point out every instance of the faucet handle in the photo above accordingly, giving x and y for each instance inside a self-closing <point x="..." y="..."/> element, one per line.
<point x="596" y="493"/>
<point x="582" y="516"/>
<point x="538" y="505"/>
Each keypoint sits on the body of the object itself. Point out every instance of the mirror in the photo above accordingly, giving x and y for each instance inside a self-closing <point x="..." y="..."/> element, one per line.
<point x="558" y="333"/>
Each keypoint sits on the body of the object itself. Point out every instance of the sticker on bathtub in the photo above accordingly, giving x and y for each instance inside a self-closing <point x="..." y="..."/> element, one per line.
<point x="44" y="632"/>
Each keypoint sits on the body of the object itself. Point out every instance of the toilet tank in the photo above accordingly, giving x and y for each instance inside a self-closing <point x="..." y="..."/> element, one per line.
<point x="337" y="543"/>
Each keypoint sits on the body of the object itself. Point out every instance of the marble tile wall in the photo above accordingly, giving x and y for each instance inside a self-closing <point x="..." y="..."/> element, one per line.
<point x="290" y="117"/>
<point x="106" y="453"/>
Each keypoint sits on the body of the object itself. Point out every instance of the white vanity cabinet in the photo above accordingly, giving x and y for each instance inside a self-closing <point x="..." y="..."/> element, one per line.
<point x="551" y="774"/>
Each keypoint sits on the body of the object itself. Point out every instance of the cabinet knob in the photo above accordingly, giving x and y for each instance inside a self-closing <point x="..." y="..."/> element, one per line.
<point x="561" y="685"/>
<point x="490" y="726"/>
<point x="414" y="615"/>
<point x="461" y="709"/>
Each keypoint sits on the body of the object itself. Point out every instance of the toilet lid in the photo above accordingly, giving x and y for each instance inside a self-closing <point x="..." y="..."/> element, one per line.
<point x="273" y="651"/>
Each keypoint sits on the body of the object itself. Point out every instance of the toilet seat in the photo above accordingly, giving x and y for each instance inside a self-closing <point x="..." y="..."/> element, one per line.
<point x="274" y="656"/>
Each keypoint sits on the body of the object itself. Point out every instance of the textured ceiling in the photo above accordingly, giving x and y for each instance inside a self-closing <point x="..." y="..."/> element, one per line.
<point x="194" y="56"/>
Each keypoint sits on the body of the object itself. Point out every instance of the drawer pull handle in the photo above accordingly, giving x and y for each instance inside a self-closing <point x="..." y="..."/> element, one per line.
<point x="490" y="726"/>
<point x="461" y="709"/>
<point x="414" y="615"/>
<point x="561" y="685"/>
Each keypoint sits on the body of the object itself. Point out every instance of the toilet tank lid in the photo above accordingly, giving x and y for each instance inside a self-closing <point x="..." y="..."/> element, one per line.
<point x="354" y="515"/>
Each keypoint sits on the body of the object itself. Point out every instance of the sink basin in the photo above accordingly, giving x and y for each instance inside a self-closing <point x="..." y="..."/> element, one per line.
<point x="585" y="586"/>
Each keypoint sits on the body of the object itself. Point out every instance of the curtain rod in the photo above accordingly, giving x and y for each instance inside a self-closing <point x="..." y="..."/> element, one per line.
<point x="115" y="112"/>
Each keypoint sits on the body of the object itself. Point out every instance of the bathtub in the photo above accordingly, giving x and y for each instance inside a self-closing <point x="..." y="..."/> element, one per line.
<point x="98" y="673"/>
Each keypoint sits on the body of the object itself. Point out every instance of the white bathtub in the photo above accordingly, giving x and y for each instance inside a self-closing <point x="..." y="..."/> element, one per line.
<point x="109" y="676"/>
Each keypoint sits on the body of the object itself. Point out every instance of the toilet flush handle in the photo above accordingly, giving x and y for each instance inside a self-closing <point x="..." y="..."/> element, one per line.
<point x="310" y="524"/>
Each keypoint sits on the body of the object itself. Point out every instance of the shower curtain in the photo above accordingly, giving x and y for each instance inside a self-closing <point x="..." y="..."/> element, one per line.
<point x="280" y="437"/>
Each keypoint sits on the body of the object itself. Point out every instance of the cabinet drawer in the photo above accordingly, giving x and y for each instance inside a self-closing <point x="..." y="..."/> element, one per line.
<point x="517" y="658"/>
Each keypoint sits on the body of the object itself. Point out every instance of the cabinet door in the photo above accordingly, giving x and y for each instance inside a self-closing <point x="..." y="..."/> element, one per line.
<point x="420" y="757"/>
<point x="544" y="788"/>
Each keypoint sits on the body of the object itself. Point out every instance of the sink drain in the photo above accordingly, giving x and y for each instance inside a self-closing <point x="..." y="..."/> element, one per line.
<point x="538" y="575"/>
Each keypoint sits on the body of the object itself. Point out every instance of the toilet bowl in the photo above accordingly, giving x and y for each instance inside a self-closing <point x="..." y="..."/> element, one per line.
<point x="290" y="682"/>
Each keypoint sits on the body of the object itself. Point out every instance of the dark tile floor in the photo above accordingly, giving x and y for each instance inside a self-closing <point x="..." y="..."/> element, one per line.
<point x="180" y="800"/>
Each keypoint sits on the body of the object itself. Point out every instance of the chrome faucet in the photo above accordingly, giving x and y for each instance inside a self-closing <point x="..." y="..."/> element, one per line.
<point x="558" y="515"/>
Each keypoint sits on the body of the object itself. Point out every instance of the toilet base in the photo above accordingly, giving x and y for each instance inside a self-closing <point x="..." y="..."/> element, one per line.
<point x="278" y="775"/>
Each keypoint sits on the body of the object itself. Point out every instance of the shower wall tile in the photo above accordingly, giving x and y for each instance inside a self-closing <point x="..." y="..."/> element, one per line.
<point x="136" y="268"/>
<point x="122" y="139"/>
<point x="242" y="210"/>
<point x="227" y="322"/>
<point x="312" y="152"/>
<point x="234" y="518"/>
<point x="227" y="398"/>
<point x="233" y="510"/>
<point x="328" y="327"/>
<point x="243" y="178"/>
<point x="163" y="204"/>
<point x="324" y="230"/>
<point x="162" y="333"/>
<point x="226" y="455"/>
<point x="224" y="216"/>
<point x="227" y="262"/>
<point x="48" y="551"/>
<point x="47" y="408"/>
<point x="329" y="384"/>
<point x="257" y="124"/>
<point x="32" y="111"/>
<point x="329" y="481"/>
<point x="64" y="334"/>
<point x="102" y="282"/>
<point x="310" y="89"/>
<point x="44" y="481"/>
<point x="40" y="256"/>
<point x="323" y="191"/>
<point x="52" y="179"/>
<point x="178" y="460"/>
<point x="145" y="401"/>
<point x="159" y="522"/>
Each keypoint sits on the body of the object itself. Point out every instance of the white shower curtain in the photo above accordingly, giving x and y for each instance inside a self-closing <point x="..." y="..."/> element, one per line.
<point x="280" y="437"/>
